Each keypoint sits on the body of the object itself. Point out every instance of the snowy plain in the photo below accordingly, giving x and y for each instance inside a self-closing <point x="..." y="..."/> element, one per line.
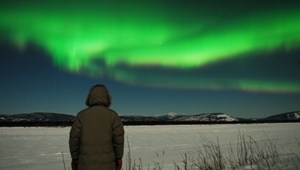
<point x="42" y="148"/>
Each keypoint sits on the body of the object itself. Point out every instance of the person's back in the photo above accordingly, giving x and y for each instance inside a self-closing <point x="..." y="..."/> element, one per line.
<point x="97" y="134"/>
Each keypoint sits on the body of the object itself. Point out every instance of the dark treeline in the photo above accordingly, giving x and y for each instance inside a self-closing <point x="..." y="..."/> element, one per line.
<point x="34" y="124"/>
<point x="138" y="123"/>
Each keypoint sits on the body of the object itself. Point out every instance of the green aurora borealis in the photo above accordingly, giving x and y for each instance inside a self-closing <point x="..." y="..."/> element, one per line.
<point x="147" y="42"/>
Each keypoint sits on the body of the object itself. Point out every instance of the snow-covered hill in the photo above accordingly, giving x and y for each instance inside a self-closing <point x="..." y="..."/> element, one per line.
<point x="289" y="116"/>
<point x="208" y="117"/>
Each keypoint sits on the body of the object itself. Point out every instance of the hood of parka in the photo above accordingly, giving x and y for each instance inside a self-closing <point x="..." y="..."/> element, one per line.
<point x="98" y="95"/>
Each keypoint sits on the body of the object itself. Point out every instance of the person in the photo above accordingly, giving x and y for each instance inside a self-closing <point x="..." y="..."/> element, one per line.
<point x="97" y="134"/>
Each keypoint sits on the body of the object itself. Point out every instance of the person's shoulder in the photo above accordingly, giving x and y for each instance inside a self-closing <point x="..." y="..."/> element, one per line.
<point x="113" y="111"/>
<point x="106" y="110"/>
<point x="83" y="112"/>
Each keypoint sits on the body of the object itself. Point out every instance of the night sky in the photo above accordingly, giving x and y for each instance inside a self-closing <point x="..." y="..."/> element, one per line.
<point x="155" y="56"/>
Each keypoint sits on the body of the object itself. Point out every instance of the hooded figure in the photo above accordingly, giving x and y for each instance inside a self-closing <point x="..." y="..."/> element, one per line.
<point x="97" y="134"/>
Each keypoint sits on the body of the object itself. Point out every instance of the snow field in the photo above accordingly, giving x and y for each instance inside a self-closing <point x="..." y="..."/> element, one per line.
<point x="42" y="148"/>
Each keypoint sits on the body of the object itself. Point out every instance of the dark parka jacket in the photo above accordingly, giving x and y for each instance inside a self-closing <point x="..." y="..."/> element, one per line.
<point x="97" y="134"/>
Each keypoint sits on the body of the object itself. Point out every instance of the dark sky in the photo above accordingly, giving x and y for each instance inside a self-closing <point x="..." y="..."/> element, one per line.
<point x="188" y="57"/>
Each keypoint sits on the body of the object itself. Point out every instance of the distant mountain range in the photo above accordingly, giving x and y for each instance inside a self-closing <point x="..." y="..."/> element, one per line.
<point x="57" y="119"/>
<point x="173" y="117"/>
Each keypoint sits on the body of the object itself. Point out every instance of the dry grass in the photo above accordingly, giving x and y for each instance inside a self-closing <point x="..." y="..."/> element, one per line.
<point x="63" y="160"/>
<point x="246" y="154"/>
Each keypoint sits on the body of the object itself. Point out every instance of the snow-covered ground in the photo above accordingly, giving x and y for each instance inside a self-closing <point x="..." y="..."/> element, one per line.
<point x="44" y="148"/>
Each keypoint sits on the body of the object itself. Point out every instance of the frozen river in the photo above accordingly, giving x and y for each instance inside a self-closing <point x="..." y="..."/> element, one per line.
<point x="45" y="148"/>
